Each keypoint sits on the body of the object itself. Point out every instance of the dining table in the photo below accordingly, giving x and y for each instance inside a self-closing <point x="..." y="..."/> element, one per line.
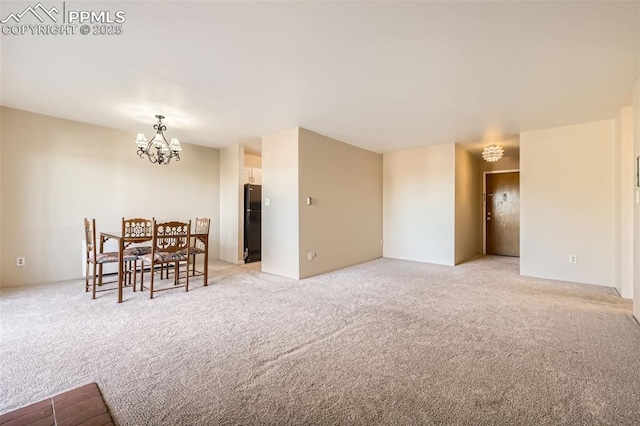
<point x="124" y="241"/>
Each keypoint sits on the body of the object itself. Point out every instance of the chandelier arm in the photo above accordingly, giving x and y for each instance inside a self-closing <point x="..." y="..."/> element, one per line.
<point x="152" y="156"/>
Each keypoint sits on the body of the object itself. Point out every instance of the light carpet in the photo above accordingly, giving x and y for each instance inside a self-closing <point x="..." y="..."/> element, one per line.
<point x="386" y="342"/>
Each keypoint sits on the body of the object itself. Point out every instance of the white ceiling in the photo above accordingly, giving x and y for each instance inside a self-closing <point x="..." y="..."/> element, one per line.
<point x="383" y="76"/>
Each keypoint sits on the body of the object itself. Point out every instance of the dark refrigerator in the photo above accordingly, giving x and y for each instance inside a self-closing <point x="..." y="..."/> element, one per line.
<point x="252" y="222"/>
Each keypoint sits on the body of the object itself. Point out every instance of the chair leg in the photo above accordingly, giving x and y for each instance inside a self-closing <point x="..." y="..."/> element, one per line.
<point x="142" y="275"/>
<point x="186" y="286"/>
<point x="193" y="267"/>
<point x="175" y="272"/>
<point x="86" y="278"/>
<point x="205" y="269"/>
<point x="100" y="274"/>
<point x="95" y="267"/>
<point x="151" y="284"/>
<point x="135" y="273"/>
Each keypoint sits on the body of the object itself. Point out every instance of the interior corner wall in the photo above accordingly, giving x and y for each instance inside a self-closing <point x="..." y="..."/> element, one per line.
<point x="468" y="205"/>
<point x="280" y="226"/>
<point x="567" y="203"/>
<point x="343" y="224"/>
<point x="231" y="160"/>
<point x="419" y="204"/>
<point x="56" y="172"/>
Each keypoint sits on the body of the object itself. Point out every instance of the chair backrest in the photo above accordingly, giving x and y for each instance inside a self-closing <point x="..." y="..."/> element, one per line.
<point x="90" y="234"/>
<point x="202" y="225"/>
<point x="137" y="228"/>
<point x="171" y="236"/>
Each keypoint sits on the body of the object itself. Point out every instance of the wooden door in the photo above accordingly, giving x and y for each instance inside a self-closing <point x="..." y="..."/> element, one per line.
<point x="502" y="214"/>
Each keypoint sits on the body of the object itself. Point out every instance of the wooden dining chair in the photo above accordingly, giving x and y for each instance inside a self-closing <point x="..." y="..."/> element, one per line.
<point x="199" y="247"/>
<point x="170" y="246"/>
<point x="98" y="259"/>
<point x="141" y="230"/>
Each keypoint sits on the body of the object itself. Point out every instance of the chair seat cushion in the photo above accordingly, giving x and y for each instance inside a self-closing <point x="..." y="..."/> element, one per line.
<point x="164" y="257"/>
<point x="138" y="251"/>
<point x="196" y="250"/>
<point x="112" y="257"/>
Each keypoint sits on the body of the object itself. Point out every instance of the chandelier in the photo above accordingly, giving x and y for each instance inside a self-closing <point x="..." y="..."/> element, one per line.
<point x="158" y="150"/>
<point x="492" y="153"/>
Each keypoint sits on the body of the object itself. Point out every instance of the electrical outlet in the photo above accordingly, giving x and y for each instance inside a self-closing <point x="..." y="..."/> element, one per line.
<point x="311" y="255"/>
<point x="573" y="258"/>
<point x="21" y="261"/>
<point x="267" y="201"/>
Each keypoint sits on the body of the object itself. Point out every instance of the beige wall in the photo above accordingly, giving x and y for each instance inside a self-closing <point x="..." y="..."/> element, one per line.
<point x="280" y="230"/>
<point x="55" y="172"/>
<point x="343" y="224"/>
<point x="252" y="161"/>
<point x="1" y="192"/>
<point x="508" y="162"/>
<point x="617" y="153"/>
<point x="568" y="203"/>
<point x="419" y="204"/>
<point x="624" y="194"/>
<point x="231" y="198"/>
<point x="468" y="205"/>
<point x="636" y="210"/>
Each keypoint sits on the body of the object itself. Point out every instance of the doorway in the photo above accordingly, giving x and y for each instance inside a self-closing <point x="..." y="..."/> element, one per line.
<point x="502" y="213"/>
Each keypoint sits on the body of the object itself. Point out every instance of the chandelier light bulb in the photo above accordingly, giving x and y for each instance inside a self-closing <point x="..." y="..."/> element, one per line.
<point x="492" y="153"/>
